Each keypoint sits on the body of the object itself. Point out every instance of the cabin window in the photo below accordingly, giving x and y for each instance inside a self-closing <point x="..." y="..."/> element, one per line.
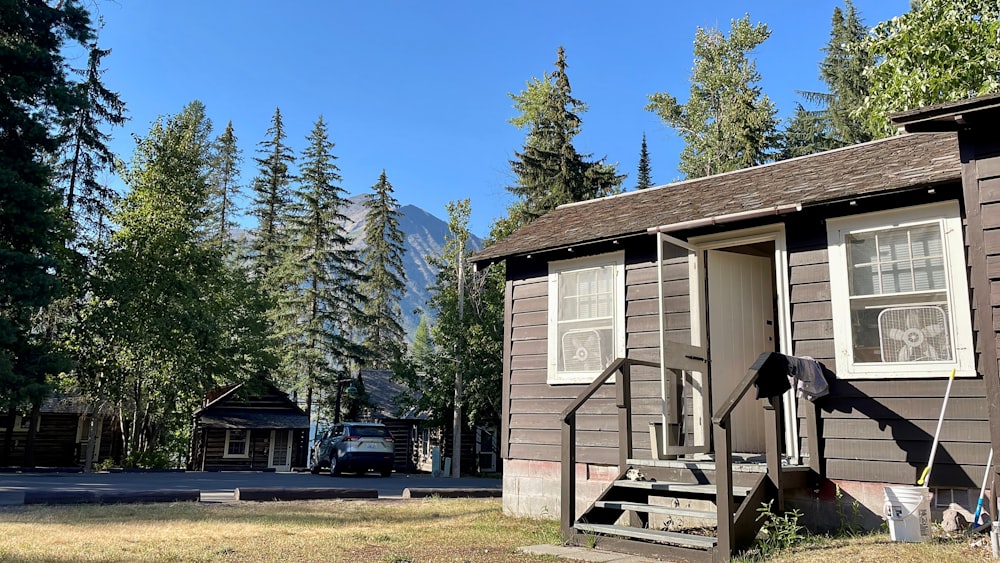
<point x="237" y="443"/>
<point x="899" y="291"/>
<point x="586" y="328"/>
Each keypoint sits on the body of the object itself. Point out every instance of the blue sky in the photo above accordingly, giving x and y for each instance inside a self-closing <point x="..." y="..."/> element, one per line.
<point x="419" y="88"/>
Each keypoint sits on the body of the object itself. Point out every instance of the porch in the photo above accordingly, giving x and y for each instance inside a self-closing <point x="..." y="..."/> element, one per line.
<point x="701" y="505"/>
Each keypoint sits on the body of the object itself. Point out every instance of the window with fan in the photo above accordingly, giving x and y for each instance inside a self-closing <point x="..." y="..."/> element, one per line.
<point x="586" y="317"/>
<point x="899" y="292"/>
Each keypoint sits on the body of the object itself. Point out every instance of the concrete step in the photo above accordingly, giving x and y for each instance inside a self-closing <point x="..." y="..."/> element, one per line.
<point x="657" y="509"/>
<point x="673" y="538"/>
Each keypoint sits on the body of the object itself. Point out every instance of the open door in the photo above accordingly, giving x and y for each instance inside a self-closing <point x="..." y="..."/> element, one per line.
<point x="741" y="325"/>
<point x="686" y="411"/>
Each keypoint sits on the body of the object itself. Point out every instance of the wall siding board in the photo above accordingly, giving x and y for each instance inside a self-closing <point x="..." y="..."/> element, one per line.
<point x="972" y="431"/>
<point x="806" y="257"/>
<point x="812" y="273"/>
<point x="812" y="330"/>
<point x="989" y="190"/>
<point x="896" y="472"/>
<point x="906" y="409"/>
<point x="537" y="318"/>
<point x="913" y="452"/>
<point x="810" y="292"/>
<point x="821" y="311"/>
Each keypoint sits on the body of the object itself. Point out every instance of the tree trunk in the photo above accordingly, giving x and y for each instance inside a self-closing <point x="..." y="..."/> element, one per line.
<point x="29" y="445"/>
<point x="92" y="424"/>
<point x="8" y="437"/>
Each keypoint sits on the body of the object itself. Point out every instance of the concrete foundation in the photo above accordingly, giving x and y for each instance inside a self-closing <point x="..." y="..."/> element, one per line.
<point x="531" y="488"/>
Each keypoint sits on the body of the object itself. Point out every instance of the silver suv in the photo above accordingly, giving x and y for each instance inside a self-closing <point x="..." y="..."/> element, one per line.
<point x="353" y="446"/>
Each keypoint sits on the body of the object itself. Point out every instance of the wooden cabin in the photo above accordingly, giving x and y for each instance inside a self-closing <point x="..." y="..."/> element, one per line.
<point x="648" y="337"/>
<point x="249" y="428"/>
<point x="62" y="432"/>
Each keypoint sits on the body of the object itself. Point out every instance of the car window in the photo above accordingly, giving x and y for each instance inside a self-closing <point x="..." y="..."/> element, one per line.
<point x="370" y="431"/>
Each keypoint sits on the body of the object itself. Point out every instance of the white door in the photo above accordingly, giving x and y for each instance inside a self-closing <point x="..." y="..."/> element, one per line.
<point x="281" y="450"/>
<point x="741" y="326"/>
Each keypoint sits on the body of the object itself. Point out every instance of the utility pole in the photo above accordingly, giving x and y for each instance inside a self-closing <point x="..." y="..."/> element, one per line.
<point x="456" y="425"/>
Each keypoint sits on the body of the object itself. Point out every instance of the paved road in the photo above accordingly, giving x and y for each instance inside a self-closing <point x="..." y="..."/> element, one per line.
<point x="220" y="485"/>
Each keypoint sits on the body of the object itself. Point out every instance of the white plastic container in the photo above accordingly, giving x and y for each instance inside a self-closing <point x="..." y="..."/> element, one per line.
<point x="908" y="511"/>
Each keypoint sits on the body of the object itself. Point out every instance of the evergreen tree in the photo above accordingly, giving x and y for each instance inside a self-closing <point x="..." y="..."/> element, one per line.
<point x="36" y="97"/>
<point x="939" y="51"/>
<point x="807" y="132"/>
<point x="644" y="174"/>
<point x="843" y="69"/>
<point x="728" y="123"/>
<point x="225" y="184"/>
<point x="86" y="153"/>
<point x="549" y="170"/>
<point x="271" y="195"/>
<point x="320" y="301"/>
<point x="385" y="275"/>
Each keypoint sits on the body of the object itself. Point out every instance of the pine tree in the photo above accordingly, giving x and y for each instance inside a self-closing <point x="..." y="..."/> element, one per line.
<point x="36" y="98"/>
<point x="644" y="174"/>
<point x="86" y="152"/>
<point x="728" y="123"/>
<point x="225" y="179"/>
<point x="807" y="132"/>
<point x="320" y="301"/>
<point x="385" y="275"/>
<point x="549" y="170"/>
<point x="843" y="69"/>
<point x="271" y="195"/>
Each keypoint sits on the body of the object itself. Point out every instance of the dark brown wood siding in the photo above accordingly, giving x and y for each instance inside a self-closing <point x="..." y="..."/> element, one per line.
<point x="876" y="430"/>
<point x="532" y="429"/>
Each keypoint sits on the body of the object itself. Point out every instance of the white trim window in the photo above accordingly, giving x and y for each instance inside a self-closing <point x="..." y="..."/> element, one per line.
<point x="237" y="443"/>
<point x="586" y="329"/>
<point x="900" y="294"/>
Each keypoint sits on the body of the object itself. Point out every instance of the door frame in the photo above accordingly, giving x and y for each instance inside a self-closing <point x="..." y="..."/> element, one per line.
<point x="699" y="336"/>
<point x="288" y="453"/>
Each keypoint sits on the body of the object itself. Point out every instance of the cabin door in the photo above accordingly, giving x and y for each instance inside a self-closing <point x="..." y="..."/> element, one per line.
<point x="281" y="450"/>
<point x="740" y="302"/>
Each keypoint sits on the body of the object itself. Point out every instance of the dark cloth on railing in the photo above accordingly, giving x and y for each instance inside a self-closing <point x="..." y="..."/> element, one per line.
<point x="772" y="376"/>
<point x="780" y="372"/>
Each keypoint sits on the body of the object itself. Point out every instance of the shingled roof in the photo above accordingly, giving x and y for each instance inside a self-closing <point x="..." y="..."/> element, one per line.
<point x="880" y="166"/>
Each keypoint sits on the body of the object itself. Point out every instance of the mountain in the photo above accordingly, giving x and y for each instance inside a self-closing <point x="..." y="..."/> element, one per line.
<point x="425" y="236"/>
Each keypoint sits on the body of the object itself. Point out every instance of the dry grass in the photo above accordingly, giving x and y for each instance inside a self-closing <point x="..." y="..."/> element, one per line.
<point x="878" y="548"/>
<point x="359" y="531"/>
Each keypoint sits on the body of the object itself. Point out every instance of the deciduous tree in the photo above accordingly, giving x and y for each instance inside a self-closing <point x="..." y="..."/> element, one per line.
<point x="939" y="51"/>
<point x="728" y="123"/>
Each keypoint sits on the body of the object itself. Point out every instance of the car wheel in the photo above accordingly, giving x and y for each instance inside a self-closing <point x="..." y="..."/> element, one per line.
<point x="335" y="468"/>
<point x="386" y="471"/>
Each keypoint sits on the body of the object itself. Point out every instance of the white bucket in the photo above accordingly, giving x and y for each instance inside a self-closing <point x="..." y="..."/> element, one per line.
<point x="908" y="511"/>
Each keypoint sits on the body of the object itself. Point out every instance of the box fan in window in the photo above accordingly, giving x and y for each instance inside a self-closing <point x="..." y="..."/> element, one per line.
<point x="914" y="334"/>
<point x="583" y="350"/>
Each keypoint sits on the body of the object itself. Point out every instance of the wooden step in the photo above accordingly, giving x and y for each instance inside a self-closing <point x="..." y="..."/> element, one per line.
<point x="674" y="538"/>
<point x="657" y="509"/>
<point x="670" y="487"/>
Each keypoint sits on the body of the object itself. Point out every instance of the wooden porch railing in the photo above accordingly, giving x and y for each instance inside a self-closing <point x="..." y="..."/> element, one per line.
<point x="623" y="401"/>
<point x="739" y="529"/>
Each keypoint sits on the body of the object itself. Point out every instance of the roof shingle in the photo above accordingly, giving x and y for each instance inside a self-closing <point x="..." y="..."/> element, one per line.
<point x="880" y="166"/>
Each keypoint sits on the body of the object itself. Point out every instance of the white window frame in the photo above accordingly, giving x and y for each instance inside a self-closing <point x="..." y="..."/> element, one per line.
<point x="246" y="444"/>
<point x="556" y="268"/>
<point x="947" y="215"/>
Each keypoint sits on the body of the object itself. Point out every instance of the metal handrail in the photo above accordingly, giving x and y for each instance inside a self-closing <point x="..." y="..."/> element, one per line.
<point x="623" y="401"/>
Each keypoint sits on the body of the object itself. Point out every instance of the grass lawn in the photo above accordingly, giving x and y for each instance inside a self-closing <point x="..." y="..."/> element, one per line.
<point x="388" y="531"/>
